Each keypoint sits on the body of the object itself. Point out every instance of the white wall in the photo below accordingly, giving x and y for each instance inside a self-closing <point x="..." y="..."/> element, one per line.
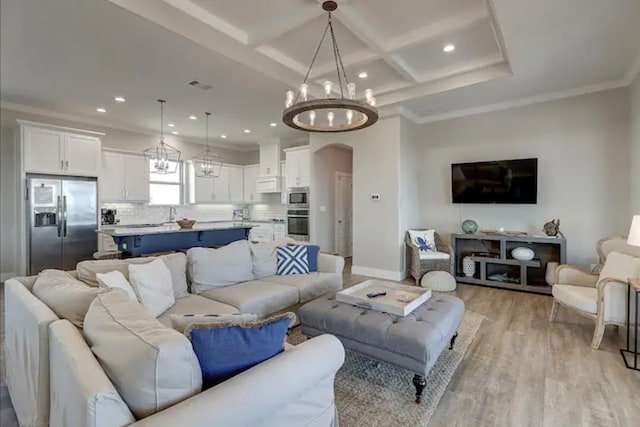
<point x="635" y="146"/>
<point x="114" y="138"/>
<point x="326" y="162"/>
<point x="376" y="163"/>
<point x="582" y="144"/>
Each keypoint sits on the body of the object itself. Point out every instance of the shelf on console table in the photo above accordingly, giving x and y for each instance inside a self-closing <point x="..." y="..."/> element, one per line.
<point x="531" y="274"/>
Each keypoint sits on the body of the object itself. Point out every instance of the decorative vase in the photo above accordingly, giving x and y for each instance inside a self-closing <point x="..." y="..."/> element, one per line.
<point x="550" y="275"/>
<point x="468" y="266"/>
<point x="522" y="254"/>
<point x="469" y="226"/>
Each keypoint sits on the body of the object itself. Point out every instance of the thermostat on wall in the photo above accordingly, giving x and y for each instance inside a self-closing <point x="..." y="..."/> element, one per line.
<point x="375" y="196"/>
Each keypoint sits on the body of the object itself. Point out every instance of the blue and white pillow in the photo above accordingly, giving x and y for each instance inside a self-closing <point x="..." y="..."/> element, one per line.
<point x="292" y="260"/>
<point x="424" y="240"/>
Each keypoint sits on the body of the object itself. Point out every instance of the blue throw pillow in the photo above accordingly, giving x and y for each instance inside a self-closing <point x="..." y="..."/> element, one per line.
<point x="312" y="257"/>
<point x="292" y="260"/>
<point x="225" y="350"/>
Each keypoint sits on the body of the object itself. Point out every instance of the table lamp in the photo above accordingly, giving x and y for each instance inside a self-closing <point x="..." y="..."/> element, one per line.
<point x="634" y="232"/>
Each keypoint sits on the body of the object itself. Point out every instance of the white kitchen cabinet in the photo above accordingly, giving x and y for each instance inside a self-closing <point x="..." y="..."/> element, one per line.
<point x="279" y="232"/>
<point x="58" y="152"/>
<point x="106" y="243"/>
<point x="261" y="232"/>
<point x="82" y="155"/>
<point x="297" y="169"/>
<point x="124" y="178"/>
<point x="203" y="190"/>
<point x="221" y="186"/>
<point x="269" y="159"/>
<point x="250" y="176"/>
<point x="236" y="184"/>
<point x="283" y="172"/>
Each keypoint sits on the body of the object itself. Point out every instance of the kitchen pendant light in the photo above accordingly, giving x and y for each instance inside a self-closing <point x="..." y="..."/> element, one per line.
<point x="162" y="157"/>
<point x="339" y="110"/>
<point x="207" y="164"/>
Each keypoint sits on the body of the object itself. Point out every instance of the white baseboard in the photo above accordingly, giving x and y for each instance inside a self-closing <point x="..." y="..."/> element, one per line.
<point x="6" y="276"/>
<point x="378" y="273"/>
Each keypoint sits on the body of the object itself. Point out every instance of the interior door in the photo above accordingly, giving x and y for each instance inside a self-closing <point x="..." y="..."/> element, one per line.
<point x="80" y="216"/>
<point x="344" y="215"/>
<point x="45" y="224"/>
<point x="43" y="150"/>
<point x="82" y="155"/>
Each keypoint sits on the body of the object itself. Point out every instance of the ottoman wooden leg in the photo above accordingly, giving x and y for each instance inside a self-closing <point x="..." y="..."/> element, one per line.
<point x="420" y="383"/>
<point x="453" y="341"/>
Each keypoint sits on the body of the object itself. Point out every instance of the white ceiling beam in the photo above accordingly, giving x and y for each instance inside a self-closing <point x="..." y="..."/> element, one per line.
<point x="354" y="22"/>
<point x="209" y="18"/>
<point x="286" y="22"/>
<point x="450" y="25"/>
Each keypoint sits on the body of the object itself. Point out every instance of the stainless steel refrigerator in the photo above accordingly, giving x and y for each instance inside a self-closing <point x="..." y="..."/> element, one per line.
<point x="62" y="218"/>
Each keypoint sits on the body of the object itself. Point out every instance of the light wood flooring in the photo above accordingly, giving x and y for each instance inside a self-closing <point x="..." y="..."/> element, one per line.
<point x="522" y="370"/>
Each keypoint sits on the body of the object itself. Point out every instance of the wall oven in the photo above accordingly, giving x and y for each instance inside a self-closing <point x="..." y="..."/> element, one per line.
<point x="298" y="224"/>
<point x="298" y="198"/>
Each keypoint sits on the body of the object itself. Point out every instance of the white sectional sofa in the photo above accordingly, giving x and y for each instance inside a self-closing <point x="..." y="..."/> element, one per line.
<point x="255" y="397"/>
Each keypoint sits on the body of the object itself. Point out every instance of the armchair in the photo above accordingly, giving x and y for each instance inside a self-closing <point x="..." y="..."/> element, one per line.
<point x="600" y="297"/>
<point x="421" y="263"/>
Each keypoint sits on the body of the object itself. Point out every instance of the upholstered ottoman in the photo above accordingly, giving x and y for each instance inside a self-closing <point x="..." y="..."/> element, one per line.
<point x="413" y="342"/>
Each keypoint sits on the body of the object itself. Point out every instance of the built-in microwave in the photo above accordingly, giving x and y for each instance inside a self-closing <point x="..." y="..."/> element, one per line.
<point x="298" y="198"/>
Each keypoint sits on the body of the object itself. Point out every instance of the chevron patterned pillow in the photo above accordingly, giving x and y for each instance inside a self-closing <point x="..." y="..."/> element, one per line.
<point x="292" y="260"/>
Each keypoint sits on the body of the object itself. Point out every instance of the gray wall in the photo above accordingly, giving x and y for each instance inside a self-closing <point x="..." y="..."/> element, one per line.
<point x="114" y="138"/>
<point x="582" y="145"/>
<point x="635" y="146"/>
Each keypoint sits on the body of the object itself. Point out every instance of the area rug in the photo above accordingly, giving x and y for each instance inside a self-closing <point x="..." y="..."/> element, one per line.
<point x="372" y="394"/>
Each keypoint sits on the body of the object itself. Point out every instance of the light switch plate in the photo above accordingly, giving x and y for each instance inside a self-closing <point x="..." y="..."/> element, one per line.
<point x="375" y="196"/>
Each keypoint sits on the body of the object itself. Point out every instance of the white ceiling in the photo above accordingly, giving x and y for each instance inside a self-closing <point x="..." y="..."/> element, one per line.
<point x="72" y="56"/>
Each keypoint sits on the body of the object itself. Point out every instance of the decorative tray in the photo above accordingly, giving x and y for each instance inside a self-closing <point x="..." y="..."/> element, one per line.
<point x="399" y="300"/>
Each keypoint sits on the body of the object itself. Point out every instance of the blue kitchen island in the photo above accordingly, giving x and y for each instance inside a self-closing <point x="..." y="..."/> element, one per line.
<point x="138" y="241"/>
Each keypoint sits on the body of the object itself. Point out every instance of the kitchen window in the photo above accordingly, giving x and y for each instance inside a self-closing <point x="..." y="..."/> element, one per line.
<point x="166" y="189"/>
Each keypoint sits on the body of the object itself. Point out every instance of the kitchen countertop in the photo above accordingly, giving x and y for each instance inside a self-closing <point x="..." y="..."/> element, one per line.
<point x="120" y="231"/>
<point x="163" y="224"/>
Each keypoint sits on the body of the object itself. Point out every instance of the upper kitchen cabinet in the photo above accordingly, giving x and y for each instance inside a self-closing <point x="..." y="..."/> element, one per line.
<point x="250" y="176"/>
<point x="297" y="167"/>
<point x="55" y="150"/>
<point x="236" y="184"/>
<point x="124" y="178"/>
<point x="269" y="158"/>
<point x="221" y="186"/>
<point x="283" y="172"/>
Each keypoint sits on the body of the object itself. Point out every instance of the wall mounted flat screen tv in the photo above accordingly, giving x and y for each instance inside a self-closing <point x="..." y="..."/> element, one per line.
<point x="503" y="181"/>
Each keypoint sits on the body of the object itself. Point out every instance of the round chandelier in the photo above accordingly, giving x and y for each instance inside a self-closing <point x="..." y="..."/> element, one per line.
<point x="207" y="164"/>
<point x="339" y="110"/>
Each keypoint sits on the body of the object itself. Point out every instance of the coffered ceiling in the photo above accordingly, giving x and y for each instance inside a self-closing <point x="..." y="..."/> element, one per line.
<point x="72" y="56"/>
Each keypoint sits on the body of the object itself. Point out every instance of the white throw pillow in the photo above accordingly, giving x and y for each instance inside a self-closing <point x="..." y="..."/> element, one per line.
<point x="264" y="258"/>
<point x="424" y="240"/>
<point x="116" y="280"/>
<point x="152" y="366"/>
<point x="179" y="322"/>
<point x="152" y="284"/>
<point x="620" y="266"/>
<point x="216" y="268"/>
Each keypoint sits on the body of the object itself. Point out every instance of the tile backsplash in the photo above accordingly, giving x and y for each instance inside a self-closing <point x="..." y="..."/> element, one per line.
<point x="136" y="213"/>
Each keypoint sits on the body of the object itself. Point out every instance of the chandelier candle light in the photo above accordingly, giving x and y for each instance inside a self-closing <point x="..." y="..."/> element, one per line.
<point x="207" y="164"/>
<point x="339" y="110"/>
<point x="162" y="157"/>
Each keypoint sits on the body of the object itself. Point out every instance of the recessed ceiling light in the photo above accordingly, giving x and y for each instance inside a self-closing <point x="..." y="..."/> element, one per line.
<point x="119" y="99"/>
<point x="247" y="131"/>
<point x="273" y="124"/>
<point x="223" y="136"/>
<point x="363" y="75"/>
<point x="175" y="132"/>
<point x="101" y="110"/>
<point x="171" y="125"/>
<point x="449" y="48"/>
<point x="192" y="117"/>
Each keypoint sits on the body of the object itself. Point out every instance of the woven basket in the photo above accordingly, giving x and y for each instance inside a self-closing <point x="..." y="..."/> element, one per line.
<point x="186" y="223"/>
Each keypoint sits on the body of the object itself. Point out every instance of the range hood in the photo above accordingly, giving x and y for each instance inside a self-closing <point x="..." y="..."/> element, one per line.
<point x="269" y="180"/>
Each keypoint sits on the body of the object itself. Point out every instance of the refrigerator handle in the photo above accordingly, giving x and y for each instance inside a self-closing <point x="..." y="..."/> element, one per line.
<point x="64" y="215"/>
<point x="59" y="216"/>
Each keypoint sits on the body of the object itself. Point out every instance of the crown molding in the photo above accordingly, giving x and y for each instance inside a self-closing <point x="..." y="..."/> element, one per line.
<point x="552" y="96"/>
<point x="106" y="124"/>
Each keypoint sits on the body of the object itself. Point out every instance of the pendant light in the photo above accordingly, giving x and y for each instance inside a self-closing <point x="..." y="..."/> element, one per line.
<point x="207" y="164"/>
<point x="162" y="157"/>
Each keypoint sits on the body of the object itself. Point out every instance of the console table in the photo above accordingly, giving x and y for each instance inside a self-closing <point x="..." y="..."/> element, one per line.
<point x="491" y="254"/>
